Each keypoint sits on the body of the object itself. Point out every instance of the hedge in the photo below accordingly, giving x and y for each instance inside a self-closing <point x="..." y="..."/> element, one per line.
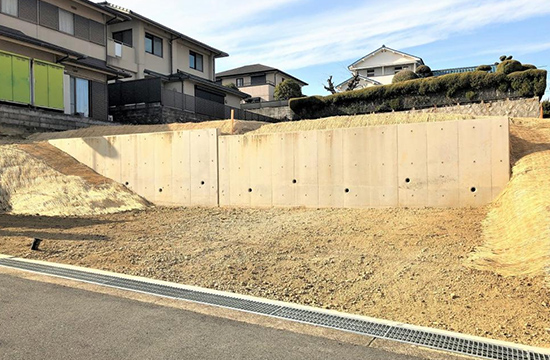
<point x="420" y="93"/>
<point x="546" y="109"/>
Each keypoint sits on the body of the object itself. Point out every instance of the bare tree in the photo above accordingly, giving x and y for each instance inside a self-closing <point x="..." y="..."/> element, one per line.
<point x="353" y="83"/>
<point x="330" y="86"/>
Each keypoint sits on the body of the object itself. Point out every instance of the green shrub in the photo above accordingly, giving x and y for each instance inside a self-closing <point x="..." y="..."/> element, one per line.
<point x="546" y="109"/>
<point x="404" y="75"/>
<point x="484" y="68"/>
<point x="529" y="67"/>
<point x="424" y="71"/>
<point x="502" y="58"/>
<point x="288" y="89"/>
<point x="509" y="66"/>
<point x="427" y="92"/>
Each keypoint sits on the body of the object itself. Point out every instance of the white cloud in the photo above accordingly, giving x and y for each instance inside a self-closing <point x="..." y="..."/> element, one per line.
<point x="259" y="31"/>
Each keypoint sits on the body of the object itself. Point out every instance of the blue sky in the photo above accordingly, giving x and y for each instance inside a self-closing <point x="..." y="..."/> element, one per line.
<point x="313" y="39"/>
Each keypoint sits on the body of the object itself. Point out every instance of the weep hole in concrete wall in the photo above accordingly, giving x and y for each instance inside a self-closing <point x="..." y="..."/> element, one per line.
<point x="452" y="163"/>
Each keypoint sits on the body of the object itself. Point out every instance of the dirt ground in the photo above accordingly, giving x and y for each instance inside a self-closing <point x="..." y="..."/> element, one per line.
<point x="398" y="264"/>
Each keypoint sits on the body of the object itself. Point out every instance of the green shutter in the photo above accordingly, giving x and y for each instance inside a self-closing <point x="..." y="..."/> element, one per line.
<point x="48" y="85"/>
<point x="55" y="87"/>
<point x="6" y="83"/>
<point x="41" y="84"/>
<point x="21" y="79"/>
<point x="15" y="74"/>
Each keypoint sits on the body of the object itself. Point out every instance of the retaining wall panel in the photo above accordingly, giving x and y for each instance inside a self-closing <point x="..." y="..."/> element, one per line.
<point x="475" y="173"/>
<point x="412" y="164"/>
<point x="442" y="164"/>
<point x="330" y="168"/>
<point x="306" y="165"/>
<point x="283" y="175"/>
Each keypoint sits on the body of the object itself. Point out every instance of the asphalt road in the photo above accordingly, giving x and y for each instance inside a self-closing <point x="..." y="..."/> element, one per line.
<point x="46" y="321"/>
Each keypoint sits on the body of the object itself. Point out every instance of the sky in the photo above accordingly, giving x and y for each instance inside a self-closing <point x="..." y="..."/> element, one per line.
<point x="314" y="39"/>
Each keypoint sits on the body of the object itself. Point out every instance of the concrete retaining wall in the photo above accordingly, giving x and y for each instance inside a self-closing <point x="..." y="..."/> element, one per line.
<point x="437" y="164"/>
<point x="171" y="168"/>
<point x="443" y="164"/>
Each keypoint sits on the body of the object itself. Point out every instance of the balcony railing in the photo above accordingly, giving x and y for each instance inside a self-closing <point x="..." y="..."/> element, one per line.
<point x="255" y="83"/>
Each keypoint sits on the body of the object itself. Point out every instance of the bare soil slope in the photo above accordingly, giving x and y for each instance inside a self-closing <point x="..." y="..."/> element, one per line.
<point x="517" y="228"/>
<point x="40" y="179"/>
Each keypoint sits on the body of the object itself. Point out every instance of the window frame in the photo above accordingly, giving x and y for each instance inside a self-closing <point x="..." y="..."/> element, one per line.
<point x="239" y="82"/>
<point x="7" y="13"/>
<point x="59" y="20"/>
<point x="193" y="64"/>
<point x="371" y="71"/>
<point x="73" y="93"/>
<point x="131" y="44"/>
<point x="152" y="38"/>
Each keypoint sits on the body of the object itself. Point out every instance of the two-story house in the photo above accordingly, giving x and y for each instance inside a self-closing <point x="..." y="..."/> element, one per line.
<point x="183" y="68"/>
<point x="259" y="81"/>
<point x="379" y="67"/>
<point x="53" y="56"/>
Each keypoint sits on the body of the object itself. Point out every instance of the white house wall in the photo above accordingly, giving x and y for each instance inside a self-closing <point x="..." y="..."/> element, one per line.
<point x="384" y="58"/>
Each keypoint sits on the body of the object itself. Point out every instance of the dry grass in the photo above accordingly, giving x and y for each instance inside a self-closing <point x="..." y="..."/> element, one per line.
<point x="337" y="122"/>
<point x="517" y="228"/>
<point x="240" y="127"/>
<point x="29" y="186"/>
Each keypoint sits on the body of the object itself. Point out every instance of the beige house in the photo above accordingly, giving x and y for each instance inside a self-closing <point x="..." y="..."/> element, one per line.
<point x="147" y="49"/>
<point x="259" y="81"/>
<point x="379" y="67"/>
<point x="53" y="55"/>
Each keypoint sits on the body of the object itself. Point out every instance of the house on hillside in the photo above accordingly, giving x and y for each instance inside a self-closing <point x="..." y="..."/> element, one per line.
<point x="53" y="62"/>
<point x="259" y="81"/>
<point x="379" y="67"/>
<point x="166" y="68"/>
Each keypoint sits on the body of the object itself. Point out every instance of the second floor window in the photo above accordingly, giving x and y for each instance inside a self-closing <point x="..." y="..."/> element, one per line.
<point x="195" y="61"/>
<point x="370" y="72"/>
<point x="153" y="45"/>
<point x="124" y="37"/>
<point x="66" y="22"/>
<point x="10" y="7"/>
<point x="240" y="82"/>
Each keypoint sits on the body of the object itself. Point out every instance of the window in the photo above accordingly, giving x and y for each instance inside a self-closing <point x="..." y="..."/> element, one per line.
<point x="124" y="37"/>
<point x="195" y="61"/>
<point x="153" y="45"/>
<point x="80" y="96"/>
<point x="66" y="22"/>
<point x="258" y="79"/>
<point x="10" y="7"/>
<point x="240" y="82"/>
<point x="399" y="68"/>
<point x="370" y="72"/>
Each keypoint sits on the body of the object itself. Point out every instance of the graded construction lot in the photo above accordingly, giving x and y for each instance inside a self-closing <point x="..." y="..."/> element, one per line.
<point x="399" y="264"/>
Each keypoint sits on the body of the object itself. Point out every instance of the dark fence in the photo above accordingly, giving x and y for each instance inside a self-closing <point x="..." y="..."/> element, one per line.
<point x="149" y="91"/>
<point x="215" y="110"/>
<point x="135" y="92"/>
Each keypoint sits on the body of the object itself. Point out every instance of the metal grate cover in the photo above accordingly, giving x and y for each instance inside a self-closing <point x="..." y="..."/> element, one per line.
<point x="403" y="334"/>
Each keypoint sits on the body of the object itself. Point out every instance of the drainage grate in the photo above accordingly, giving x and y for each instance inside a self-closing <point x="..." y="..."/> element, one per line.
<point x="433" y="340"/>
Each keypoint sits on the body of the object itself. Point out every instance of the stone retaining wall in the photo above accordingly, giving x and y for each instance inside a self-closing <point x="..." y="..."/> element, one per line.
<point x="33" y="119"/>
